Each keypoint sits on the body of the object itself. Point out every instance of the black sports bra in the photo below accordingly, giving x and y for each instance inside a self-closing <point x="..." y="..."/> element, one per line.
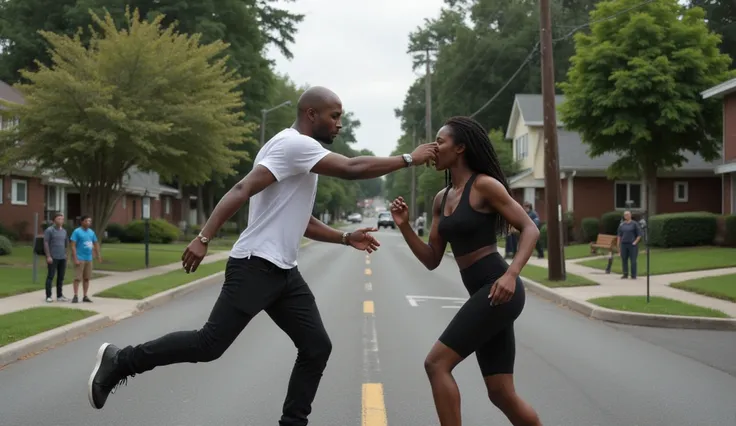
<point x="467" y="229"/>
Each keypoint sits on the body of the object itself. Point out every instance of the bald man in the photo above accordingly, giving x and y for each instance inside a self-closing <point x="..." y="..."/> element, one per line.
<point x="261" y="273"/>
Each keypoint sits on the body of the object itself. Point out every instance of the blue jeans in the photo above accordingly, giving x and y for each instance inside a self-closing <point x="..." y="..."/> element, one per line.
<point x="629" y="252"/>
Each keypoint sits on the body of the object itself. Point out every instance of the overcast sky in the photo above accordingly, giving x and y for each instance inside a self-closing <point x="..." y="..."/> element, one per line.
<point x="358" y="49"/>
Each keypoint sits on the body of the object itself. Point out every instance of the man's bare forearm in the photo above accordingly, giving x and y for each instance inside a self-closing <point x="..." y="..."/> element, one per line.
<point x="318" y="231"/>
<point x="369" y="167"/>
<point x="225" y="209"/>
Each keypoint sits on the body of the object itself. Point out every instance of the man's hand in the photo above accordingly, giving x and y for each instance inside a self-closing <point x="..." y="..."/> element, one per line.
<point x="193" y="255"/>
<point x="49" y="260"/>
<point x="362" y="240"/>
<point x="425" y="153"/>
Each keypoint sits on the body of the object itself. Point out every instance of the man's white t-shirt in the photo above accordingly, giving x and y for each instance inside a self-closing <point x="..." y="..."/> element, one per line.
<point x="278" y="216"/>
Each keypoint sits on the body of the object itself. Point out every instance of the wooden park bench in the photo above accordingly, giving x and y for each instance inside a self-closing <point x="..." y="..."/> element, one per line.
<point x="605" y="242"/>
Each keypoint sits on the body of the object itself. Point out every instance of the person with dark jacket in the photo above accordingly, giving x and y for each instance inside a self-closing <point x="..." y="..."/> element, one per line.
<point x="535" y="218"/>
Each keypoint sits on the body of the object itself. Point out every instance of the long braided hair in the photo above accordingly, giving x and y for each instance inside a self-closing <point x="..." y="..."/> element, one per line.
<point x="479" y="155"/>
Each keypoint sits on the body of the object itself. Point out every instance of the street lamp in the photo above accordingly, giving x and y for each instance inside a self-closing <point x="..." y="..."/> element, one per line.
<point x="265" y="112"/>
<point x="146" y="215"/>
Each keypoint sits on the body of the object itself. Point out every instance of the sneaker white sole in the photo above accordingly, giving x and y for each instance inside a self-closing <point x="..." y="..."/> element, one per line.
<point x="94" y="373"/>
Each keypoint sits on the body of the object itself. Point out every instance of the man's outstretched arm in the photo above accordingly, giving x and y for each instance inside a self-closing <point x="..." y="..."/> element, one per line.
<point x="368" y="167"/>
<point x="319" y="231"/>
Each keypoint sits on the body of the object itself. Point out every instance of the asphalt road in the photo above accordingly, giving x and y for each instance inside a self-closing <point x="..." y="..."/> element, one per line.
<point x="574" y="371"/>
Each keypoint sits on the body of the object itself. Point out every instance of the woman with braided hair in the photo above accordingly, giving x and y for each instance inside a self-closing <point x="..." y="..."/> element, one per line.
<point x="469" y="213"/>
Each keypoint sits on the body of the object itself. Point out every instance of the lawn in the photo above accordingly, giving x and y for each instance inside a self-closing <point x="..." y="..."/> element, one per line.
<point x="29" y="322"/>
<point x="721" y="287"/>
<point x="15" y="280"/>
<point x="668" y="261"/>
<point x="657" y="305"/>
<point x="116" y="257"/>
<point x="539" y="274"/>
<point x="145" y="287"/>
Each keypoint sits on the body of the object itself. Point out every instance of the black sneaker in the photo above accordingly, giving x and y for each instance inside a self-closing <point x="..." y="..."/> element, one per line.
<point x="86" y="299"/>
<point x="106" y="376"/>
<point x="75" y="299"/>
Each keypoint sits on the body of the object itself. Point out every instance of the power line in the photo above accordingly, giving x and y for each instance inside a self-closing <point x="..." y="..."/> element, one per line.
<point x="565" y="37"/>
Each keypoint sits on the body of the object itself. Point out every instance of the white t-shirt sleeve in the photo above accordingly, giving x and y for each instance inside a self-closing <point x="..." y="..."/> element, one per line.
<point x="293" y="156"/>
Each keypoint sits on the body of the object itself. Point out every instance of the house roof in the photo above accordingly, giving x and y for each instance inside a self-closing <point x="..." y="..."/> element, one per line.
<point x="573" y="155"/>
<point x="8" y="93"/>
<point x="723" y="89"/>
<point x="530" y="107"/>
<point x="572" y="151"/>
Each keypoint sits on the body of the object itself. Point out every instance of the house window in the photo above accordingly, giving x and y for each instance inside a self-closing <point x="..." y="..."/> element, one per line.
<point x="125" y="202"/>
<point x="167" y="205"/>
<point x="681" y="192"/>
<point x="521" y="149"/>
<point x="19" y="192"/>
<point x="2" y="195"/>
<point x="628" y="195"/>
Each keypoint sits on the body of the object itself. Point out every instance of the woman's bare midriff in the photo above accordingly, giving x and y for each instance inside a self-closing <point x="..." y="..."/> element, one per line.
<point x="468" y="259"/>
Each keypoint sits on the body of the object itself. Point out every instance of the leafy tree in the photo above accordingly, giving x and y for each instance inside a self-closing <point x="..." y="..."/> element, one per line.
<point x="140" y="96"/>
<point x="634" y="87"/>
<point x="721" y="18"/>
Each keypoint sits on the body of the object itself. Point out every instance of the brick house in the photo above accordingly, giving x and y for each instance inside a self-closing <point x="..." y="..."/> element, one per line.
<point x="726" y="169"/>
<point x="24" y="194"/>
<point x="585" y="189"/>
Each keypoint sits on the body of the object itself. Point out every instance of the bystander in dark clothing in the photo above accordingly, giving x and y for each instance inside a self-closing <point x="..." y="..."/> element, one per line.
<point x="55" y="244"/>
<point x="535" y="218"/>
<point x="629" y="235"/>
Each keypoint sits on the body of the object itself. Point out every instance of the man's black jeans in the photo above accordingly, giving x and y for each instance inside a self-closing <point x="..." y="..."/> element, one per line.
<point x="57" y="267"/>
<point x="251" y="285"/>
<point x="629" y="252"/>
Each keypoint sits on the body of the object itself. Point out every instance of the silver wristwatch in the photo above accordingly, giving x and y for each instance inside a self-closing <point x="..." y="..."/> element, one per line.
<point x="204" y="240"/>
<point x="407" y="159"/>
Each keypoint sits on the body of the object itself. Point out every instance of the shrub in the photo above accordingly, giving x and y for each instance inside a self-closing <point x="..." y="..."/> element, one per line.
<point x="8" y="233"/>
<point x="682" y="229"/>
<point x="610" y="221"/>
<point x="730" y="237"/>
<point x="6" y="247"/>
<point x="115" y="230"/>
<point x="160" y="232"/>
<point x="589" y="229"/>
<point x="543" y="235"/>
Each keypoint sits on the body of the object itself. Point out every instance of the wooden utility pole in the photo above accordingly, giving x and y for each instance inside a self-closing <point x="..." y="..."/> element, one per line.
<point x="413" y="202"/>
<point x="428" y="99"/>
<point x="552" y="190"/>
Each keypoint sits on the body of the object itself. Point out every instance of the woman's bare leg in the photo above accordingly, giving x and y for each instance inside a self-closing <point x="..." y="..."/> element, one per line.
<point x="439" y="365"/>
<point x="502" y="394"/>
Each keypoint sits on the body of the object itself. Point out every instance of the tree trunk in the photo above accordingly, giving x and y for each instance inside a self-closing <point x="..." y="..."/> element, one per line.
<point x="200" y="206"/>
<point x="650" y="185"/>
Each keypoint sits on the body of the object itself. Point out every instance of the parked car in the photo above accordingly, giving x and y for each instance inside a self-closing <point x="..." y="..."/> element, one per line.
<point x="385" y="220"/>
<point x="355" y="218"/>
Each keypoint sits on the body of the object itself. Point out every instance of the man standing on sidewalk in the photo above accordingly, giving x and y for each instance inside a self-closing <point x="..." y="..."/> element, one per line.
<point x="54" y="246"/>
<point x="84" y="240"/>
<point x="535" y="217"/>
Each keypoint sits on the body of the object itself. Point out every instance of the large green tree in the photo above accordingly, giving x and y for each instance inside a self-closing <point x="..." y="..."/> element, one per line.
<point x="142" y="95"/>
<point x="635" y="83"/>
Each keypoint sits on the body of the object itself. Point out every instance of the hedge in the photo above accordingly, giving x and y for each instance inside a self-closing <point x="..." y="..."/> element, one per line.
<point x="730" y="238"/>
<point x="589" y="229"/>
<point x="682" y="229"/>
<point x="160" y="232"/>
<point x="6" y="247"/>
<point x="610" y="221"/>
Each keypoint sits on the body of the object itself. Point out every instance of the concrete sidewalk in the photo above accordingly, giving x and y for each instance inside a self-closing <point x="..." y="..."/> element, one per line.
<point x="659" y="285"/>
<point x="105" y="306"/>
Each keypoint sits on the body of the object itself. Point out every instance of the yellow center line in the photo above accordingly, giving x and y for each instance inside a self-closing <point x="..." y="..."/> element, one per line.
<point x="368" y="271"/>
<point x="374" y="409"/>
<point x="368" y="307"/>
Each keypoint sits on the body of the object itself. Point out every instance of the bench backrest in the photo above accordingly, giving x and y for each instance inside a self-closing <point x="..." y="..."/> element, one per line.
<point x="606" y="240"/>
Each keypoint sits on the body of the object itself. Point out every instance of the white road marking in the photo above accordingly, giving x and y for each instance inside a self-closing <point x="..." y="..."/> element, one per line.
<point x="414" y="300"/>
<point x="368" y="286"/>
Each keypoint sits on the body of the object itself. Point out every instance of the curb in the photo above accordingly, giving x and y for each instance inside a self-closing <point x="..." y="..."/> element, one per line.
<point x="41" y="342"/>
<point x="630" y="318"/>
